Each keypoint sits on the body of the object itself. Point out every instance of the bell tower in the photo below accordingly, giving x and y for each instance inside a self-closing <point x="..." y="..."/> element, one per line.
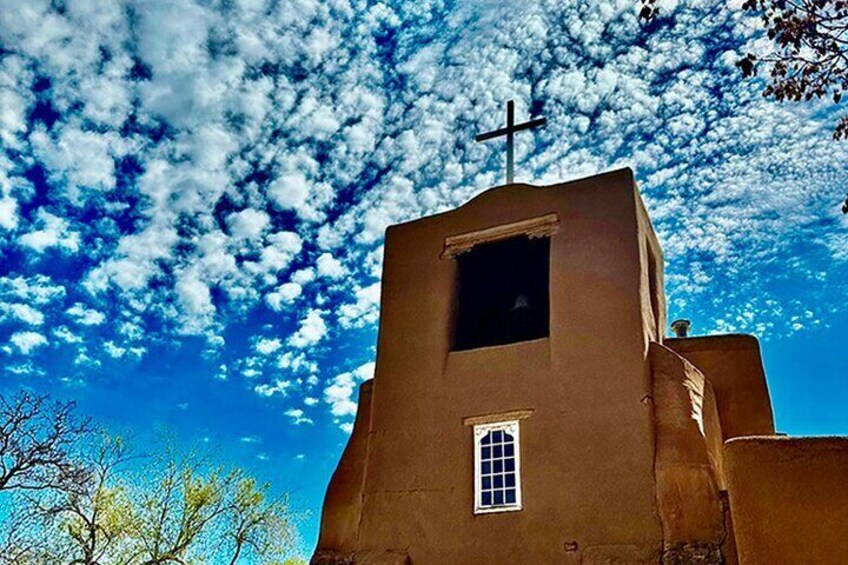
<point x="509" y="419"/>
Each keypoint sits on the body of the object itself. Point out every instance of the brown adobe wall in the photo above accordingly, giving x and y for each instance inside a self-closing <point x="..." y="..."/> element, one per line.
<point x="343" y="501"/>
<point x="789" y="499"/>
<point x="734" y="366"/>
<point x="652" y="283"/>
<point x="687" y="461"/>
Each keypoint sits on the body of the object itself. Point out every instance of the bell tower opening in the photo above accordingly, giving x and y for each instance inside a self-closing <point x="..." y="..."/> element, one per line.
<point x="503" y="293"/>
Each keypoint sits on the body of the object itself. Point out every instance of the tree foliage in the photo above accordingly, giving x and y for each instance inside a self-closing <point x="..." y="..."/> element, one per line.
<point x="118" y="508"/>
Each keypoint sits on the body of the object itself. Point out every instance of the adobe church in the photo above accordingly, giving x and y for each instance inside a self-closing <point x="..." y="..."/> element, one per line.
<point x="528" y="408"/>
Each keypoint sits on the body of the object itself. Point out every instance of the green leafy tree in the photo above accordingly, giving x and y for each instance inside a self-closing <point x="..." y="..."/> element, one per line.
<point x="91" y="522"/>
<point x="119" y="509"/>
<point x="176" y="512"/>
<point x="180" y="514"/>
<point x="257" y="525"/>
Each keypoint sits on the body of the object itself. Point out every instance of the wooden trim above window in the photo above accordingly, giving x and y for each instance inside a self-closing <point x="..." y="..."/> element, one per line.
<point x="543" y="226"/>
<point x="495" y="418"/>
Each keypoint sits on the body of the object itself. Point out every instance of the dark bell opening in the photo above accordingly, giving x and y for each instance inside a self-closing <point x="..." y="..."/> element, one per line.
<point x="503" y="293"/>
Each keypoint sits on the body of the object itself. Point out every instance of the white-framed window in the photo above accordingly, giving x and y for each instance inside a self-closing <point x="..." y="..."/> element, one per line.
<point x="497" y="467"/>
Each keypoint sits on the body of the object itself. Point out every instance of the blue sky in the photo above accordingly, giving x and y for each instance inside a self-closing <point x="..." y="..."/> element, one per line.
<point x="193" y="196"/>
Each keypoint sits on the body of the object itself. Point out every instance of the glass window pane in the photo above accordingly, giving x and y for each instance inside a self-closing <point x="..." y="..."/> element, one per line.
<point x="497" y="482"/>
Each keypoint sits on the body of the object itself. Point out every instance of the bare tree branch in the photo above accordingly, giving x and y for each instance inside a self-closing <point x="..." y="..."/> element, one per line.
<point x="36" y="440"/>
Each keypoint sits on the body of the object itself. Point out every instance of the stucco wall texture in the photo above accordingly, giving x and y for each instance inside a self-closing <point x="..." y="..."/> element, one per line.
<point x="789" y="499"/>
<point x="622" y="457"/>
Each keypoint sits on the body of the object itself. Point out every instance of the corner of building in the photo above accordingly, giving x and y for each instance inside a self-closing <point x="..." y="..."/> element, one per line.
<point x="342" y="510"/>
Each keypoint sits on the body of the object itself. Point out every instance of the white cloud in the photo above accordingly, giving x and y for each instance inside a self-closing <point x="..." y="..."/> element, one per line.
<point x="38" y="290"/>
<point x="282" y="295"/>
<point x="293" y="190"/>
<point x="298" y="417"/>
<point x="329" y="266"/>
<point x="280" y="387"/>
<point x="21" y="312"/>
<point x="267" y="346"/>
<point x="85" y="316"/>
<point x="27" y="341"/>
<point x="281" y="249"/>
<point x="303" y="276"/>
<point x="135" y="261"/>
<point x="8" y="213"/>
<point x="364" y="311"/>
<point x="24" y="369"/>
<point x="53" y="232"/>
<point x="312" y="330"/>
<point x="114" y="351"/>
<point x="63" y="333"/>
<point x="196" y="301"/>
<point x="297" y="362"/>
<point x="289" y="192"/>
<point x="84" y="159"/>
<point x="248" y="224"/>
<point x="339" y="394"/>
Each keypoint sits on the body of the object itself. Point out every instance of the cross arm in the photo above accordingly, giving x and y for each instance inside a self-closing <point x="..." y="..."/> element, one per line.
<point x="504" y="131"/>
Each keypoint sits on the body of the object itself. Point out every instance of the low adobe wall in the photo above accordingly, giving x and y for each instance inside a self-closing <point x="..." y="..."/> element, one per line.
<point x="789" y="499"/>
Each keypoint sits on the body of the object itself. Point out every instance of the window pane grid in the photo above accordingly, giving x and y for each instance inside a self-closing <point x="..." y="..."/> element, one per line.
<point x="497" y="470"/>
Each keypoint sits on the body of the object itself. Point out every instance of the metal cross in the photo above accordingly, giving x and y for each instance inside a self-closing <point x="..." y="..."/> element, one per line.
<point x="509" y="132"/>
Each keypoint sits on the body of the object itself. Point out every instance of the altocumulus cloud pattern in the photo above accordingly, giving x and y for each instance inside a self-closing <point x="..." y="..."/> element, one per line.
<point x="223" y="171"/>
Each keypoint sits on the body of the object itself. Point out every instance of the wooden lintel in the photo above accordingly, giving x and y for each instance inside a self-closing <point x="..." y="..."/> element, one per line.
<point x="499" y="417"/>
<point x="543" y="226"/>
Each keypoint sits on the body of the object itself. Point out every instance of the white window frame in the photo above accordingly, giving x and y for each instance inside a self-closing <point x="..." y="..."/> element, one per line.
<point x="480" y="430"/>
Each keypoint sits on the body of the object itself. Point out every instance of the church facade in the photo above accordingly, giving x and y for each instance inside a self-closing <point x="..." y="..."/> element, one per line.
<point x="527" y="407"/>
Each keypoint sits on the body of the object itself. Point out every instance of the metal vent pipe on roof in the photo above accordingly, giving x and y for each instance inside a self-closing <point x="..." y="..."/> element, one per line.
<point x="681" y="328"/>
